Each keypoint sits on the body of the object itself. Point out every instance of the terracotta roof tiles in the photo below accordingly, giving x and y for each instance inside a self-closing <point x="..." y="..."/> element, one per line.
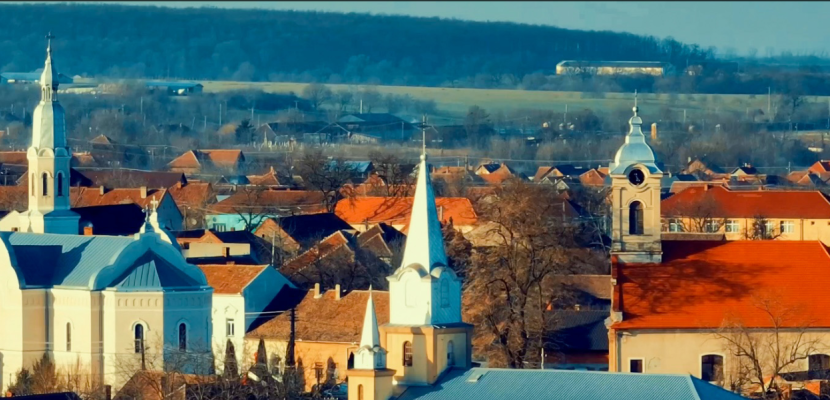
<point x="307" y="201"/>
<point x="749" y="204"/>
<point x="700" y="283"/>
<point x="397" y="210"/>
<point x="231" y="279"/>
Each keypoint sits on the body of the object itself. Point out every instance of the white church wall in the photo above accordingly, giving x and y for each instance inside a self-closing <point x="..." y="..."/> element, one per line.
<point x="193" y="309"/>
<point x="409" y="299"/>
<point x="72" y="307"/>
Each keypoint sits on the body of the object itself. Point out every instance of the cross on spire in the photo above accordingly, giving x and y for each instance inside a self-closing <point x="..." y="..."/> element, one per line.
<point x="636" y="109"/>
<point x="424" y="135"/>
<point x="154" y="203"/>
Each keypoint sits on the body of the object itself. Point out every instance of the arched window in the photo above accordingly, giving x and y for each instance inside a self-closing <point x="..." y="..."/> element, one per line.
<point x="818" y="364"/>
<point x="350" y="364"/>
<point x="635" y="218"/>
<point x="359" y="392"/>
<point x="711" y="367"/>
<point x="445" y="293"/>
<point x="139" y="338"/>
<point x="59" y="188"/>
<point x="407" y="354"/>
<point x="68" y="336"/>
<point x="182" y="337"/>
<point x="45" y="184"/>
<point x="450" y="354"/>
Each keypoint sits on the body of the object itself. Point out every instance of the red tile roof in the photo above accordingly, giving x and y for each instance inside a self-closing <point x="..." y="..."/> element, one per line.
<point x="231" y="279"/>
<point x="13" y="157"/>
<point x="397" y="210"/>
<point x="193" y="194"/>
<point x="701" y="283"/>
<point x="227" y="158"/>
<point x="187" y="160"/>
<point x="326" y="319"/>
<point x="267" y="179"/>
<point x="592" y="177"/>
<point x="748" y="204"/>
<point x="820" y="166"/>
<point x="85" y="197"/>
<point x="14" y="198"/>
<point x="336" y="243"/>
<point x="541" y="172"/>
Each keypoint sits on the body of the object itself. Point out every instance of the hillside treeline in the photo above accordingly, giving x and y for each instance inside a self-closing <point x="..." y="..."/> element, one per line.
<point x="227" y="44"/>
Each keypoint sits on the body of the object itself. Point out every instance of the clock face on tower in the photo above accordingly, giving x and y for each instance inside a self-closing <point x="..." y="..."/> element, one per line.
<point x="636" y="177"/>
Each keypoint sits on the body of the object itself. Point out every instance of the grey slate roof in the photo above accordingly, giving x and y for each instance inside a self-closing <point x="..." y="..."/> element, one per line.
<point x="514" y="384"/>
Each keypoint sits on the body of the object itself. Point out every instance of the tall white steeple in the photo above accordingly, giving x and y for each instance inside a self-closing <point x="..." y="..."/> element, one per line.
<point x="423" y="290"/>
<point x="370" y="355"/>
<point x="49" y="208"/>
<point x="424" y="240"/>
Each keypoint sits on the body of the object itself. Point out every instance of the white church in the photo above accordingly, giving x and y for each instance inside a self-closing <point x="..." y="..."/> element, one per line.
<point x="103" y="304"/>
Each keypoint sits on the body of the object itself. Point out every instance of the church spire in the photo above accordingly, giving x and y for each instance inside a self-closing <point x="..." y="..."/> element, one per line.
<point x="424" y="240"/>
<point x="49" y="77"/>
<point x="370" y="355"/>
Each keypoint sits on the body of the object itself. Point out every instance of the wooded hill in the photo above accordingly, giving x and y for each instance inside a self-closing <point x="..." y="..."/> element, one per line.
<point x="232" y="44"/>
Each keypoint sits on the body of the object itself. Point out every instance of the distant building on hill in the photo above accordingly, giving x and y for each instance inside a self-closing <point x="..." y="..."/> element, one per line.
<point x="572" y="67"/>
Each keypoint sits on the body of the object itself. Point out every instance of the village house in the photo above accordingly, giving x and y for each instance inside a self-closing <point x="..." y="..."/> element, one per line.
<point x="200" y="161"/>
<point x="748" y="214"/>
<point x="363" y="212"/>
<point x="246" y="209"/>
<point x="299" y="232"/>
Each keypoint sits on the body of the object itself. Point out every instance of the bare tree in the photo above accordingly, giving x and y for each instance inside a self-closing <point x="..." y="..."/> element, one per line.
<point x="698" y="217"/>
<point x="325" y="175"/>
<point x="782" y="341"/>
<point x="761" y="228"/>
<point x="317" y="94"/>
<point x="396" y="181"/>
<point x="251" y="207"/>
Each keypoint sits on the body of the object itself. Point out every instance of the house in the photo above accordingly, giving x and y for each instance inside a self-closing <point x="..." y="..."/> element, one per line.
<point x="175" y="88"/>
<point x="168" y="211"/>
<point x="362" y="212"/>
<point x="198" y="161"/>
<point x="110" y="220"/>
<point x="742" y="214"/>
<point x="241" y="294"/>
<point x="246" y="209"/>
<point x="299" y="232"/>
<point x="704" y="170"/>
<point x="376" y="126"/>
<point x="328" y="328"/>
<point x="129" y="178"/>
<point x="31" y="77"/>
<point x="231" y="247"/>
<point x="193" y="198"/>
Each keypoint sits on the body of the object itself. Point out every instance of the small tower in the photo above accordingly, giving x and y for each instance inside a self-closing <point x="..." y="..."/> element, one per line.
<point x="370" y="379"/>
<point x="49" y="157"/>
<point x="635" y="185"/>
<point x="425" y="334"/>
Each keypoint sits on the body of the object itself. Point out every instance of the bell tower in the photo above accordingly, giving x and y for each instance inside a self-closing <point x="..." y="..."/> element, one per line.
<point x="49" y="157"/>
<point x="635" y="187"/>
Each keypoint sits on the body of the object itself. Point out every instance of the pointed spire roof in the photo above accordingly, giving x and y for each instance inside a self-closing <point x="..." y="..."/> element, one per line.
<point x="49" y="76"/>
<point x="424" y="240"/>
<point x="370" y="337"/>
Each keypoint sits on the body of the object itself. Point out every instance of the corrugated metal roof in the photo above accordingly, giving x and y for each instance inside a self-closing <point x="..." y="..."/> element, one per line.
<point x="511" y="384"/>
<point x="62" y="260"/>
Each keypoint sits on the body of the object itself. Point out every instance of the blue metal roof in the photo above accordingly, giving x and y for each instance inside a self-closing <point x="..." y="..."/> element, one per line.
<point x="173" y="85"/>
<point x="152" y="273"/>
<point x="61" y="260"/>
<point x="33" y="76"/>
<point x="512" y="384"/>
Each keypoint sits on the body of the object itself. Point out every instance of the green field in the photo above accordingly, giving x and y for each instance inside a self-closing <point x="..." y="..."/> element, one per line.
<point x="456" y="101"/>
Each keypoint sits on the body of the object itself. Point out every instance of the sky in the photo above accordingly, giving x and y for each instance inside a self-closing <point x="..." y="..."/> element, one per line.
<point x="741" y="26"/>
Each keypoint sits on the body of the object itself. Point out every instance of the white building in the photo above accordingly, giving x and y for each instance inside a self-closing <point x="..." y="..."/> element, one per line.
<point x="101" y="303"/>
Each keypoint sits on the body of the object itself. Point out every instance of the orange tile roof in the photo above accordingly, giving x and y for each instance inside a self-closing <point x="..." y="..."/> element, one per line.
<point x="13" y="157"/>
<point x="267" y="179"/>
<point x="397" y="210"/>
<point x="85" y="197"/>
<point x="820" y="166"/>
<point x="230" y="279"/>
<point x="497" y="177"/>
<point x="307" y="201"/>
<point x="336" y="243"/>
<point x="592" y="178"/>
<point x="193" y="194"/>
<point x="187" y="160"/>
<point x="700" y="283"/>
<point x="14" y="198"/>
<point x="541" y="172"/>
<point x="748" y="204"/>
<point x="327" y="319"/>
<point x="223" y="157"/>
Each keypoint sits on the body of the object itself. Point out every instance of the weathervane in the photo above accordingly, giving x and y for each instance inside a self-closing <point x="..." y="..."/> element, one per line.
<point x="635" y="103"/>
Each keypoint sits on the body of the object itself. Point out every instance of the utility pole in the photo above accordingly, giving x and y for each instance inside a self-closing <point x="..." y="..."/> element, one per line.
<point x="289" y="351"/>
<point x="769" y="101"/>
<point x="684" y="117"/>
<point x="205" y="128"/>
<point x="220" y="115"/>
<point x="142" y="105"/>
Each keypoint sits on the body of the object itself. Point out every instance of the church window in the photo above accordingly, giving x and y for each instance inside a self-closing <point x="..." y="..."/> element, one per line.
<point x="68" y="336"/>
<point x="787" y="227"/>
<point x="635" y="218"/>
<point x="182" y="337"/>
<point x="139" y="338"/>
<point x="711" y="367"/>
<point x="450" y="354"/>
<point x="359" y="392"/>
<point x="45" y="184"/>
<point x="732" y="226"/>
<point x="59" y="188"/>
<point x="445" y="293"/>
<point x="229" y="327"/>
<point x="407" y="354"/>
<point x="350" y="362"/>
<point x="675" y="225"/>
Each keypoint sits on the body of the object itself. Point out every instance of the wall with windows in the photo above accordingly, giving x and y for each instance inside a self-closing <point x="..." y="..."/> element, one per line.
<point x="228" y="323"/>
<point x="311" y="354"/>
<point x="740" y="228"/>
<point x="691" y="352"/>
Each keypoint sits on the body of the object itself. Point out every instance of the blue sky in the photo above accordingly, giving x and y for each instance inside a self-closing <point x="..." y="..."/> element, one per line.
<point x="794" y="26"/>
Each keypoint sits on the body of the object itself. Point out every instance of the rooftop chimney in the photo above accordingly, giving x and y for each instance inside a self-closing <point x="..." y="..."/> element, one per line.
<point x="87" y="231"/>
<point x="143" y="191"/>
<point x="337" y="291"/>
<point x="101" y="190"/>
<point x="179" y="184"/>
<point x="317" y="290"/>
<point x="440" y="213"/>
